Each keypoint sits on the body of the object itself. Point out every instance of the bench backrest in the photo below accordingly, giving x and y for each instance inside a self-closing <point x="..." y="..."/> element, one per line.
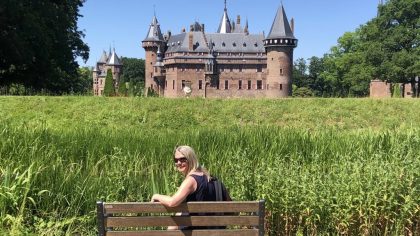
<point x="151" y="219"/>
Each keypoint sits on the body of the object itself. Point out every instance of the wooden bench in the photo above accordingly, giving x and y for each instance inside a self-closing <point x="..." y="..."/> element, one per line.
<point x="246" y="218"/>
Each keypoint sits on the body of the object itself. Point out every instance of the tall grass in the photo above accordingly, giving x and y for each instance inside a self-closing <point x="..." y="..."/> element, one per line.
<point x="316" y="180"/>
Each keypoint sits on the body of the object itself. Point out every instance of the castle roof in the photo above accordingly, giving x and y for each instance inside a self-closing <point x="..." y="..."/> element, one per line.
<point x="154" y="33"/>
<point x="237" y="42"/>
<point x="180" y="42"/>
<point x="104" y="58"/>
<point x="280" y="27"/>
<point x="114" y="60"/>
<point x="225" y="26"/>
<point x="233" y="42"/>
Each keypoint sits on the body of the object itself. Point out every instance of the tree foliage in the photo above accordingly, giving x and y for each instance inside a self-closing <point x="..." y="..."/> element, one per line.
<point x="39" y="44"/>
<point x="109" y="89"/>
<point x="134" y="70"/>
<point x="384" y="48"/>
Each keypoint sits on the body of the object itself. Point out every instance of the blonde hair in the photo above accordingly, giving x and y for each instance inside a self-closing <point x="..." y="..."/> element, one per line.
<point x="192" y="160"/>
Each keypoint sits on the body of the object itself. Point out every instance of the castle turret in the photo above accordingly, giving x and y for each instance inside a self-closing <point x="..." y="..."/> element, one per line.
<point x="159" y="73"/>
<point x="279" y="46"/>
<point x="225" y="26"/>
<point x="115" y="65"/>
<point x="151" y="44"/>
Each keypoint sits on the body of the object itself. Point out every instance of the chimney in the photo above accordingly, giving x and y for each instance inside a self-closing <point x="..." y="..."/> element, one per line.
<point x="238" y="20"/>
<point x="190" y="41"/>
<point x="292" y="24"/>
<point x="202" y="28"/>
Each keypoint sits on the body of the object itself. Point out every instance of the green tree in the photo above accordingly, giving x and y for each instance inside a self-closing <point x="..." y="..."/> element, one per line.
<point x="84" y="83"/>
<point x="39" y="44"/>
<point x="315" y="68"/>
<point x="385" y="47"/>
<point x="300" y="76"/>
<point x="109" y="89"/>
<point x="391" y="41"/>
<point x="133" y="73"/>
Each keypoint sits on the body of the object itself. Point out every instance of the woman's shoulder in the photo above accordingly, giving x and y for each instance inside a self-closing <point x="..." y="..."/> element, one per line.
<point x="196" y="173"/>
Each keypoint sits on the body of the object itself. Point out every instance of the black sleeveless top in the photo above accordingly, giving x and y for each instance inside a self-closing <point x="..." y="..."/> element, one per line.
<point x="200" y="193"/>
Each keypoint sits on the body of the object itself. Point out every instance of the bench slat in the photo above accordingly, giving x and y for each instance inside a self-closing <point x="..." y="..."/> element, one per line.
<point x="181" y="220"/>
<point x="192" y="207"/>
<point x="238" y="232"/>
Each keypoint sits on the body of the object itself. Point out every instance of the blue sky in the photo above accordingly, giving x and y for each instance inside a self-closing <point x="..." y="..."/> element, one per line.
<point x="124" y="23"/>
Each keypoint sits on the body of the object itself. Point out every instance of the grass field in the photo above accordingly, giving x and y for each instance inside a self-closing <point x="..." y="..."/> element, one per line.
<point x="325" y="166"/>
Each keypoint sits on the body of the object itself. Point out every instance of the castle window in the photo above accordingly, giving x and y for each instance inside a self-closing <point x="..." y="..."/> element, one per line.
<point x="281" y="86"/>
<point x="244" y="44"/>
<point x="200" y="84"/>
<point x="173" y="84"/>
<point x="240" y="84"/>
<point x="240" y="68"/>
<point x="226" y="84"/>
<point x="166" y="84"/>
<point x="249" y="84"/>
<point x="259" y="68"/>
<point x="281" y="71"/>
<point x="234" y="44"/>
<point x="259" y="84"/>
<point x="183" y="84"/>
<point x="223" y="44"/>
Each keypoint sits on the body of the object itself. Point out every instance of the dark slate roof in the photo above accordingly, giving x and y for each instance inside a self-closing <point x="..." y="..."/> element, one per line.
<point x="225" y="25"/>
<point x="280" y="27"/>
<point x="114" y="60"/>
<point x="180" y="42"/>
<point x="154" y="33"/>
<point x="104" y="58"/>
<point x="252" y="43"/>
<point x="233" y="42"/>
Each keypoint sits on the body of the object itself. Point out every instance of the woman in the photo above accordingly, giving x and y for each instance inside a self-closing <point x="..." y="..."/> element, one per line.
<point x="194" y="186"/>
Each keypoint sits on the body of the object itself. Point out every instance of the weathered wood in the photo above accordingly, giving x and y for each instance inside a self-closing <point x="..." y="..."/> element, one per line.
<point x="100" y="218"/>
<point x="181" y="221"/>
<point x="192" y="207"/>
<point x="135" y="218"/>
<point x="238" y="232"/>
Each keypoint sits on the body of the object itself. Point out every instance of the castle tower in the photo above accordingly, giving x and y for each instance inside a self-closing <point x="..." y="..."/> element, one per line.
<point x="107" y="61"/>
<point x="115" y="65"/>
<point x="151" y="44"/>
<point x="279" y="46"/>
<point x="159" y="73"/>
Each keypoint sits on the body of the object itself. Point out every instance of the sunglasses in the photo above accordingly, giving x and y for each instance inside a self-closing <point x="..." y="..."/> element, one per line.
<point x="181" y="159"/>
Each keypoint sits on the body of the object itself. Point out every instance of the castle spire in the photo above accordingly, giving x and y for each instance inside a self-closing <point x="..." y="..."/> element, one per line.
<point x="281" y="27"/>
<point x="154" y="33"/>
<point x="225" y="25"/>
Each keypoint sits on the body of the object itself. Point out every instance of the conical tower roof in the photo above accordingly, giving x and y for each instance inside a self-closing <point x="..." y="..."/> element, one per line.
<point x="281" y="27"/>
<point x="104" y="58"/>
<point x="114" y="60"/>
<point x="225" y="26"/>
<point x="154" y="33"/>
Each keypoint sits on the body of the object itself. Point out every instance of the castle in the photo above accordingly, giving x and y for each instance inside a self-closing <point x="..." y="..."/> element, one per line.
<point x="107" y="61"/>
<point x="230" y="63"/>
